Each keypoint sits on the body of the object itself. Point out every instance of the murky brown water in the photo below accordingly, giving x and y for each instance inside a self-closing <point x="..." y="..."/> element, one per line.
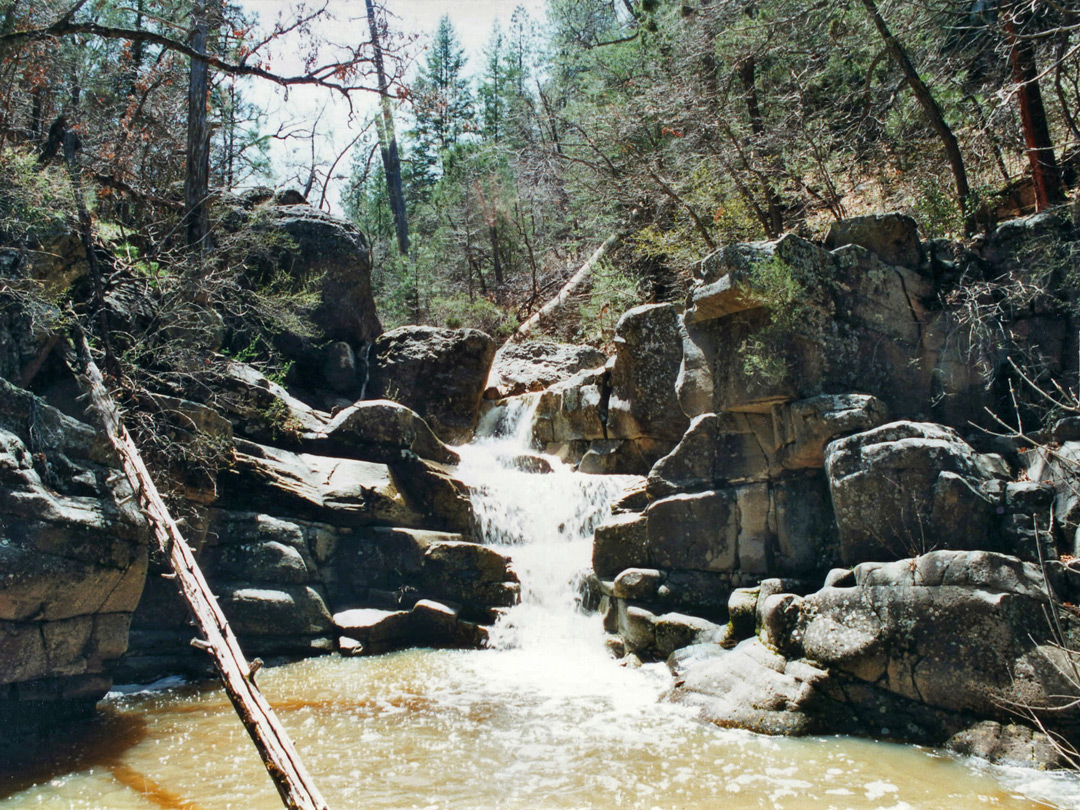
<point x="495" y="729"/>
<point x="546" y="722"/>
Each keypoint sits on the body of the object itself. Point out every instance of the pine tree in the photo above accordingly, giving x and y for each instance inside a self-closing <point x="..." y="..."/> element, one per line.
<point x="442" y="102"/>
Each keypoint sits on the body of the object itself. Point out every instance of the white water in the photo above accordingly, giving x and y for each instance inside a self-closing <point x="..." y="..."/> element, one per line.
<point x="545" y="522"/>
<point x="546" y="722"/>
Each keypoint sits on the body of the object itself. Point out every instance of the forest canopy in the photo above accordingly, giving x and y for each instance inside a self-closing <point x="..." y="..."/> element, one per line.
<point x="484" y="181"/>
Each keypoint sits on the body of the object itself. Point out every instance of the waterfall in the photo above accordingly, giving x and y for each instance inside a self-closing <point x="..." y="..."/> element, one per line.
<point x="542" y="514"/>
<point x="367" y="370"/>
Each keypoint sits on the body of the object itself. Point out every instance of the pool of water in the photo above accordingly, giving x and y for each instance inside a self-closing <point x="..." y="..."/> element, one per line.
<point x="491" y="729"/>
<point x="545" y="721"/>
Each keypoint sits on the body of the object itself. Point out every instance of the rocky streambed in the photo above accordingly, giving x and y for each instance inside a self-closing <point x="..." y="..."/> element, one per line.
<point x="827" y="548"/>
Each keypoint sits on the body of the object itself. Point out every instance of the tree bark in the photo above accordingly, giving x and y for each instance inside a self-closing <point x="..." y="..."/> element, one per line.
<point x="930" y="108"/>
<point x="388" y="140"/>
<point x="1045" y="174"/>
<point x="283" y="763"/>
<point x="197" y="172"/>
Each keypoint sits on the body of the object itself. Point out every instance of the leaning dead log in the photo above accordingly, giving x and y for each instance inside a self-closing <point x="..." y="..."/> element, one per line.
<point x="576" y="282"/>
<point x="283" y="763"/>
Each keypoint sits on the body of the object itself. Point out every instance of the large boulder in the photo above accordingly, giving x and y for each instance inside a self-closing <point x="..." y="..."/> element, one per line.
<point x="964" y="631"/>
<point x="893" y="238"/>
<point x="379" y="430"/>
<point x="852" y="322"/>
<point x="74" y="556"/>
<point x="319" y="246"/>
<point x="908" y="487"/>
<point x="259" y="408"/>
<point x="530" y="366"/>
<point x="439" y="373"/>
<point x="941" y="648"/>
<point x="643" y="398"/>
<point x="340" y="491"/>
<point x="733" y="448"/>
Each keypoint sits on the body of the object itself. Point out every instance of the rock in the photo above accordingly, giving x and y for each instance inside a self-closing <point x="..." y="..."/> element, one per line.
<point x="861" y="325"/>
<point x="323" y="247"/>
<point x="572" y="410"/>
<point x="528" y="366"/>
<point x="697" y="531"/>
<point x="439" y="373"/>
<point x="73" y="556"/>
<point x="908" y="487"/>
<point x="436" y="492"/>
<point x="378" y="430"/>
<point x="255" y="548"/>
<point x="736" y="448"/>
<point x="620" y="543"/>
<point x="751" y="687"/>
<point x="674" y="631"/>
<point x="742" y="611"/>
<point x="648" y="352"/>
<point x="376" y="630"/>
<point x="1008" y="744"/>
<point x="198" y="432"/>
<point x="963" y="631"/>
<point x="340" y="491"/>
<point x="380" y="558"/>
<point x="284" y="610"/>
<point x="622" y="456"/>
<point x="262" y="410"/>
<point x="1057" y="468"/>
<point x="340" y="371"/>
<point x="894" y="238"/>
<point x="638" y="583"/>
<point x="637" y="627"/>
<point x="474" y="576"/>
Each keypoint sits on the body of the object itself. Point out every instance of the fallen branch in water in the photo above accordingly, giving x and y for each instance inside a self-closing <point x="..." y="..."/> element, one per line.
<point x="283" y="763"/>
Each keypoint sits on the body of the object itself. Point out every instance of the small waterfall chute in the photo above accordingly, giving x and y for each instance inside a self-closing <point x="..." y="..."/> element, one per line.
<point x="542" y="513"/>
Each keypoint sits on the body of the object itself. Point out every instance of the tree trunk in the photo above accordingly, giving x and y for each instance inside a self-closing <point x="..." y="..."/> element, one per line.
<point x="748" y="77"/>
<point x="930" y="108"/>
<point x="388" y="146"/>
<point x="576" y="282"/>
<point x="197" y="172"/>
<point x="1045" y="174"/>
<point x="278" y="754"/>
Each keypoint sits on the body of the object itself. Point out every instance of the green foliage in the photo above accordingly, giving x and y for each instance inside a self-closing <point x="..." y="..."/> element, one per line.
<point x="457" y="311"/>
<point x="442" y="102"/>
<point x="938" y="212"/>
<point x="613" y="292"/>
<point x="34" y="203"/>
<point x="787" y="294"/>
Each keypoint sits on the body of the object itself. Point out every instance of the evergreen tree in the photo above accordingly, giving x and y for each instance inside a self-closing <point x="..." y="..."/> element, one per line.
<point x="442" y="102"/>
<point x="491" y="93"/>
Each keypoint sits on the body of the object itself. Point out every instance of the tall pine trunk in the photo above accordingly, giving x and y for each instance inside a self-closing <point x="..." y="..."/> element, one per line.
<point x="197" y="172"/>
<point x="388" y="146"/>
<point x="1045" y="174"/>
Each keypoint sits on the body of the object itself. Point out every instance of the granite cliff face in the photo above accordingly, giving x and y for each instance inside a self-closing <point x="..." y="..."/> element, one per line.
<point x="318" y="531"/>
<point x="816" y="542"/>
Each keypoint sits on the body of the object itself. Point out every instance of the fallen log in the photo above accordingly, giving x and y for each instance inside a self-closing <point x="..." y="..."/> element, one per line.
<point x="283" y="763"/>
<point x="576" y="282"/>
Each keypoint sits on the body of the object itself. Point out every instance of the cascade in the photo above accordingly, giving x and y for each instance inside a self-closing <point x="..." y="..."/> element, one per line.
<point x="542" y="514"/>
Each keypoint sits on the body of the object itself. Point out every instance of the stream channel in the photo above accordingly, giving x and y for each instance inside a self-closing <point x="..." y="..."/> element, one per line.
<point x="545" y="720"/>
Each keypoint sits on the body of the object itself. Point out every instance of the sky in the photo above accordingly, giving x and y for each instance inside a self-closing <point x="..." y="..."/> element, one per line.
<point x="472" y="19"/>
